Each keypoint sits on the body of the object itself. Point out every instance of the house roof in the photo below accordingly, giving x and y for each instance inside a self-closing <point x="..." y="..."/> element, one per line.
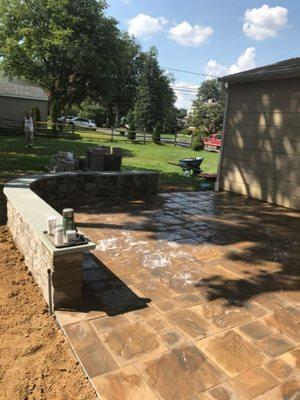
<point x="284" y="69"/>
<point x="19" y="88"/>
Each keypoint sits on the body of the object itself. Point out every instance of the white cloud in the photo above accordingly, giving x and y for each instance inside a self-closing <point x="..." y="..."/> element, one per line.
<point x="264" y="22"/>
<point x="144" y="26"/>
<point x="184" y="99"/>
<point x="189" y="35"/>
<point x="245" y="61"/>
<point x="215" y="69"/>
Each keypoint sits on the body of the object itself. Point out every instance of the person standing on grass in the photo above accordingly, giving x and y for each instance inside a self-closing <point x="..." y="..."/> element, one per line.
<point x="29" y="129"/>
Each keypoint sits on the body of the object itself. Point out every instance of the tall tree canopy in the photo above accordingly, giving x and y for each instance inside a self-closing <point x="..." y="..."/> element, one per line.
<point x="155" y="98"/>
<point x="208" y="108"/>
<point x="65" y="46"/>
<point x="122" y="82"/>
<point x="211" y="90"/>
<point x="208" y="117"/>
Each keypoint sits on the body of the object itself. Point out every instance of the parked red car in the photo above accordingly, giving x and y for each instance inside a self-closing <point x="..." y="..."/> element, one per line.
<point x="213" y="142"/>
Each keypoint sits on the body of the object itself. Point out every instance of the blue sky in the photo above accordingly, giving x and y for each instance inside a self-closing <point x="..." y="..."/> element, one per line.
<point x="215" y="37"/>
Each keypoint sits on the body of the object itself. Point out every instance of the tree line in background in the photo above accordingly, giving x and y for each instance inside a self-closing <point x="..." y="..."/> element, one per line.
<point x="73" y="50"/>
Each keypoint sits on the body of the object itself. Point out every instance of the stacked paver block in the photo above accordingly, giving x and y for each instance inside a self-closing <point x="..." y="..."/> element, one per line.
<point x="63" y="162"/>
<point x="95" y="159"/>
<point x="103" y="158"/>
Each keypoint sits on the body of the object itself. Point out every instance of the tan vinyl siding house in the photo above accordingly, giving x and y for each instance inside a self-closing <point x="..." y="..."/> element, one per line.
<point x="18" y="97"/>
<point x="260" y="157"/>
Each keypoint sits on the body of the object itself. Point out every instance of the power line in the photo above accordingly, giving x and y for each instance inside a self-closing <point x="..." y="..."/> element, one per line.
<point x="184" y="71"/>
<point x="186" y="89"/>
<point x="189" y="72"/>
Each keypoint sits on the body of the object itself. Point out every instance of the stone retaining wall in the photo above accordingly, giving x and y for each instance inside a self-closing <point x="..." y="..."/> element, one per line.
<point x="31" y="199"/>
<point x="67" y="277"/>
<point x="73" y="189"/>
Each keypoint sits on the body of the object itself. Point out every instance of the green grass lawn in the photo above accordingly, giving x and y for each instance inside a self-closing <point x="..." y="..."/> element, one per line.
<point x="15" y="159"/>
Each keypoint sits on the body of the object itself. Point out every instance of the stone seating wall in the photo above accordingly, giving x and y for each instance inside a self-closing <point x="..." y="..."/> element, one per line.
<point x="31" y="199"/>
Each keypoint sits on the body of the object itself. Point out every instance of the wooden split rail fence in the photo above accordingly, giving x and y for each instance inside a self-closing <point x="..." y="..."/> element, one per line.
<point x="51" y="129"/>
<point x="9" y="126"/>
<point x="144" y="137"/>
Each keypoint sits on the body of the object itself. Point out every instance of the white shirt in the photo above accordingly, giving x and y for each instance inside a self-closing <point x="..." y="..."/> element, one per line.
<point x="28" y="124"/>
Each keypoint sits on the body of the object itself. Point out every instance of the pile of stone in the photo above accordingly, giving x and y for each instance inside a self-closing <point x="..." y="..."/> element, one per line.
<point x="103" y="158"/>
<point x="63" y="161"/>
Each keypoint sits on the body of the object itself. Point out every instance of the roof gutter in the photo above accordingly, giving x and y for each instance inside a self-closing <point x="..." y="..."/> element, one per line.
<point x="16" y="96"/>
<point x="262" y="76"/>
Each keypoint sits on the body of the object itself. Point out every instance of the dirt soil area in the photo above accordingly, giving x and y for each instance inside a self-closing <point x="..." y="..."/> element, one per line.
<point x="36" y="361"/>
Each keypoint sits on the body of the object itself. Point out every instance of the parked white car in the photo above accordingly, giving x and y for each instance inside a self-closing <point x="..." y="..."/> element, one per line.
<point x="66" y="119"/>
<point x="83" y="123"/>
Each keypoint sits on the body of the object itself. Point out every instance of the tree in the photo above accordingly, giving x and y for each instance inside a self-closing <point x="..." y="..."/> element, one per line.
<point x="123" y="79"/>
<point x="156" y="133"/>
<point x="64" y="46"/>
<point x="155" y="98"/>
<point x="197" y="141"/>
<point x="211" y="90"/>
<point x="176" y="119"/>
<point x="208" y="117"/>
<point x="131" y="134"/>
<point x="36" y="113"/>
<point x="92" y="110"/>
<point x="208" y="108"/>
<point x="181" y="113"/>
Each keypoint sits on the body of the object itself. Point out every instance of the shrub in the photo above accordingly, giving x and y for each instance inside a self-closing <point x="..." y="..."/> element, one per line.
<point x="156" y="133"/>
<point x="197" y="141"/>
<point x="131" y="134"/>
<point x="36" y="113"/>
<point x="184" y="131"/>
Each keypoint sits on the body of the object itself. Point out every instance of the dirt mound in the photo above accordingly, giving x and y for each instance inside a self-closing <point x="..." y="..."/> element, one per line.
<point x="36" y="361"/>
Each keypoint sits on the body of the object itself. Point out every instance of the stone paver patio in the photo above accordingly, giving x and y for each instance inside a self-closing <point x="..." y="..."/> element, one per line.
<point x="194" y="297"/>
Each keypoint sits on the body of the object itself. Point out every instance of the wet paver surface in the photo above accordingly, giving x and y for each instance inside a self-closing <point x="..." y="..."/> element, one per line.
<point x="190" y="296"/>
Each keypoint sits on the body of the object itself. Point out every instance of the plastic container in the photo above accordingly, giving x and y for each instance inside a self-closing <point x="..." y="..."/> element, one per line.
<point x="59" y="236"/>
<point x="68" y="220"/>
<point x="51" y="225"/>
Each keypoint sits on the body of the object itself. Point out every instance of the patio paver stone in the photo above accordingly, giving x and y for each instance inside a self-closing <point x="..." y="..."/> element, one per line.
<point x="189" y="296"/>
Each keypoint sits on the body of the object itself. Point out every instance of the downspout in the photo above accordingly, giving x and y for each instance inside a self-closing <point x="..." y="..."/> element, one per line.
<point x="217" y="184"/>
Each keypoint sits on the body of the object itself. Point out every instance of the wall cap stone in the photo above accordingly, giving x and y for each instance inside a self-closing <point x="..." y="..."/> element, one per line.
<point x="35" y="211"/>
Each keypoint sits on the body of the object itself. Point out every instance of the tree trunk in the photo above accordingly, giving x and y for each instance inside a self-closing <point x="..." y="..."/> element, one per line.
<point x="56" y="106"/>
<point x="117" y="118"/>
<point x="110" y="112"/>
